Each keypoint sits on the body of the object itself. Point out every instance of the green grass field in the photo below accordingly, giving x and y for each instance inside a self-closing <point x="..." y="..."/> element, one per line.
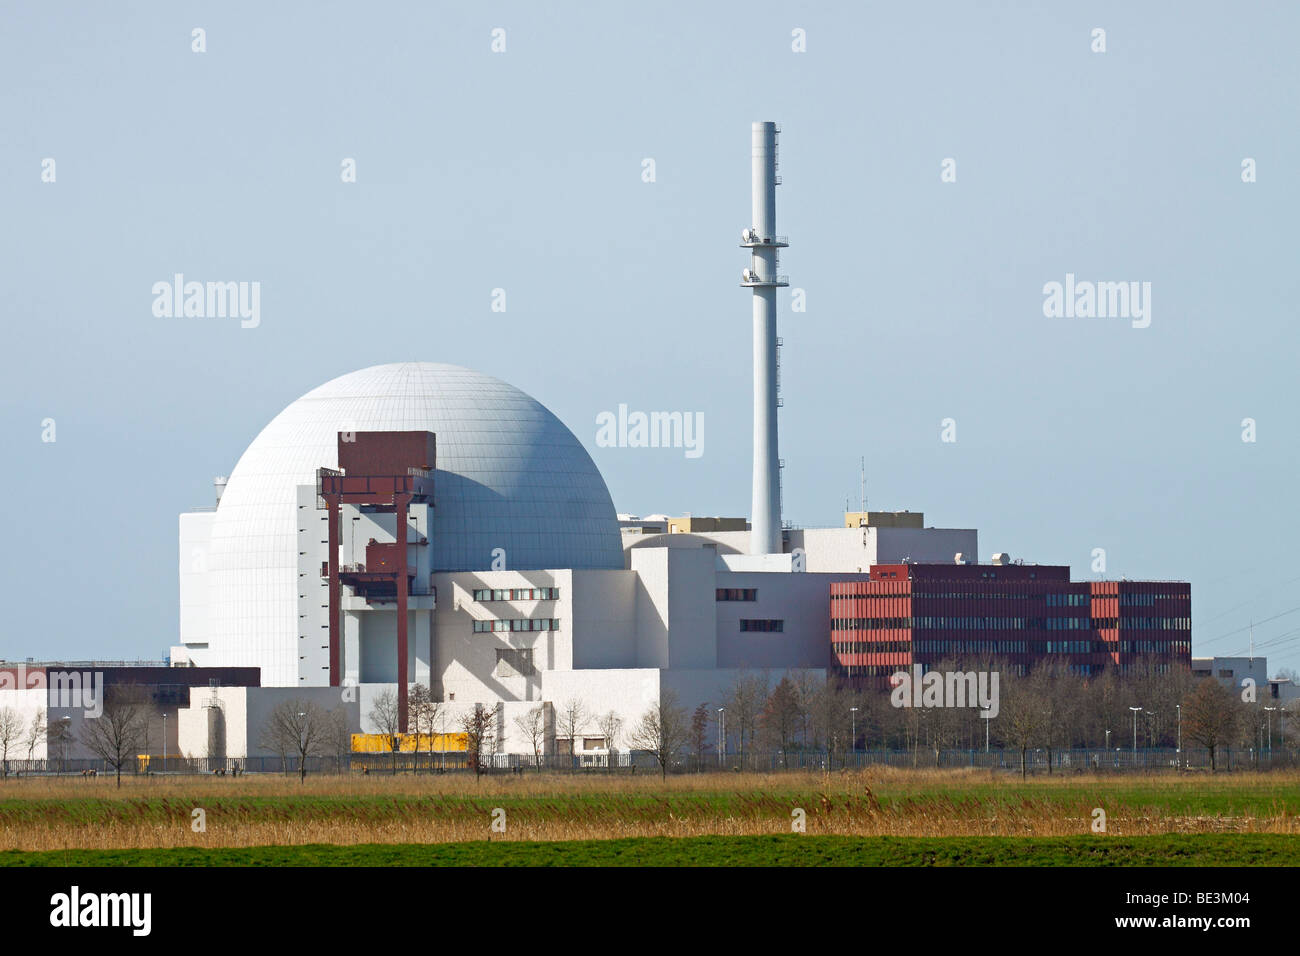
<point x="787" y="850"/>
<point x="877" y="818"/>
<point x="1221" y="797"/>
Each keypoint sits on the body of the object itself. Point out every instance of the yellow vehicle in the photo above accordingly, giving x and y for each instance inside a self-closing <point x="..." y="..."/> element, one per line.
<point x="408" y="743"/>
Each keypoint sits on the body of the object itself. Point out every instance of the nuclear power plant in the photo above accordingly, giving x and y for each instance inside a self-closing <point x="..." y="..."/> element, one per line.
<point x="426" y="524"/>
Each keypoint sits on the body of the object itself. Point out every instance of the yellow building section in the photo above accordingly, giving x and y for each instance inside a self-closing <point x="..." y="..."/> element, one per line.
<point x="884" y="519"/>
<point x="407" y="743"/>
<point x="690" y="524"/>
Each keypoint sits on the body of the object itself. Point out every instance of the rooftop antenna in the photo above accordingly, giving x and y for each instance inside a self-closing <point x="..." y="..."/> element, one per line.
<point x="863" y="497"/>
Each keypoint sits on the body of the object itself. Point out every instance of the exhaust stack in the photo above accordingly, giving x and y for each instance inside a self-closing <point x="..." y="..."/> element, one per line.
<point x="761" y="276"/>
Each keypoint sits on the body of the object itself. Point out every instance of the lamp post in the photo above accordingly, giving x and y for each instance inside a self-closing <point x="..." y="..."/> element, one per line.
<point x="1270" y="728"/>
<point x="853" y="717"/>
<point x="1135" y="710"/>
<point x="722" y="734"/>
<point x="164" y="716"/>
<point x="1179" y="751"/>
<point x="987" y="718"/>
<point x="66" y="723"/>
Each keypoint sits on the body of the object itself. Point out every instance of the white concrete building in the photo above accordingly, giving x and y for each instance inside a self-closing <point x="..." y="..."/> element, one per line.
<point x="522" y="591"/>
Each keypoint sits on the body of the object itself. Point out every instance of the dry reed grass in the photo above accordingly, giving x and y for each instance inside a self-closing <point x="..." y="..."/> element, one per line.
<point x="53" y="814"/>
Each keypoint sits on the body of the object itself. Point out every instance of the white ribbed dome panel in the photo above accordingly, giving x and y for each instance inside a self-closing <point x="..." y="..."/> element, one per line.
<point x="510" y="475"/>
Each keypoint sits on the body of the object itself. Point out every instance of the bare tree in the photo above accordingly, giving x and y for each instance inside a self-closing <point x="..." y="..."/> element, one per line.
<point x="58" y="737"/>
<point x="12" y="729"/>
<point x="120" y="730"/>
<point x="662" y="731"/>
<point x="423" y="711"/>
<point x="384" y="715"/>
<point x="570" y="719"/>
<point x="780" y="717"/>
<point x="743" y="703"/>
<point x="831" y="719"/>
<point x="339" y="736"/>
<point x="1022" y="718"/>
<point x="610" y="725"/>
<point x="532" y="725"/>
<point x="300" y="726"/>
<point x="480" y="728"/>
<point x="700" y="733"/>
<point x="35" y="731"/>
<point x="807" y="686"/>
<point x="1210" y="716"/>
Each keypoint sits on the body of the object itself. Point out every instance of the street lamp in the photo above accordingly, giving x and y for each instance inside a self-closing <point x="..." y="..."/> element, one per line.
<point x="1270" y="727"/>
<point x="302" y="745"/>
<point x="66" y="723"/>
<point x="164" y="716"/>
<point x="1179" y="751"/>
<point x="722" y="734"/>
<point x="853" y="716"/>
<point x="1135" y="727"/>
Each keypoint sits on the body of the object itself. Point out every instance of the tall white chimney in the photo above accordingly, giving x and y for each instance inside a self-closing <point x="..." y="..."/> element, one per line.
<point x="761" y="276"/>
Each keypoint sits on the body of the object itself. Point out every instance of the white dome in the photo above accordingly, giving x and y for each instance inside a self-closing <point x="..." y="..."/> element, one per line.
<point x="509" y="475"/>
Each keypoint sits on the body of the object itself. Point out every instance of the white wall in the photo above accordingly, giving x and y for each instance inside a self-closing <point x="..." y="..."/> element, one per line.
<point x="194" y="537"/>
<point x="603" y="619"/>
<point x="245" y="711"/>
<point x="629" y="692"/>
<point x="832" y="549"/>
<point x="465" y="661"/>
<point x="27" y="702"/>
<point x="801" y="600"/>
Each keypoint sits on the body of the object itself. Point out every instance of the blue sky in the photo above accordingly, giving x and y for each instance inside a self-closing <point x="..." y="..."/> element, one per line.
<point x="522" y="170"/>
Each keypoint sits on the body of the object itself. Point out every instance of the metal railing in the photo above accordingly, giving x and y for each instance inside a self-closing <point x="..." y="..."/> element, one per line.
<point x="1037" y="762"/>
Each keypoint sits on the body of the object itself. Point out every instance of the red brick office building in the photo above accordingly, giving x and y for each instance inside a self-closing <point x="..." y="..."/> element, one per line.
<point x="1020" y="614"/>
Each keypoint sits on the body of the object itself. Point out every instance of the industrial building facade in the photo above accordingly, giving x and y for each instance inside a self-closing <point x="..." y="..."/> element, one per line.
<point x="923" y="614"/>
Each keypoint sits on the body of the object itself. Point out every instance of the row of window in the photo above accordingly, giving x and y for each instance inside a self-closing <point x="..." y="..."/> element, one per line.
<point x="1146" y="623"/>
<point x="761" y="625"/>
<point x="1053" y="600"/>
<point x="918" y="594"/>
<point x="519" y="624"/>
<point x="737" y="594"/>
<point x="971" y="647"/>
<point x="925" y="622"/>
<point x="1155" y="647"/>
<point x="996" y="648"/>
<point x="889" y="670"/>
<point x="930" y="647"/>
<point x="960" y="623"/>
<point x="517" y="594"/>
<point x="1076" y="647"/>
